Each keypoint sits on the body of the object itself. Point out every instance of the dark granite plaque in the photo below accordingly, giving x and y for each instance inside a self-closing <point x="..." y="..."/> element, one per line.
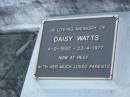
<point x="77" y="48"/>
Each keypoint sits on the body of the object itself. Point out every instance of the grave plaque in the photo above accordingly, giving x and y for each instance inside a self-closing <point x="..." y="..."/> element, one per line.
<point x="77" y="48"/>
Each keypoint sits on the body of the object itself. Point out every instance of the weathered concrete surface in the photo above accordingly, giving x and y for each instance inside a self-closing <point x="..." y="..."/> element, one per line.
<point x="13" y="68"/>
<point x="29" y="13"/>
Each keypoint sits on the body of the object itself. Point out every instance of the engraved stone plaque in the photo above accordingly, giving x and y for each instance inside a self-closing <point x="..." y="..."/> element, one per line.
<point x="77" y="48"/>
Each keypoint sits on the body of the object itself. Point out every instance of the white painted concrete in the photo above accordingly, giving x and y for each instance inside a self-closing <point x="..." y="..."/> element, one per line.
<point x="118" y="87"/>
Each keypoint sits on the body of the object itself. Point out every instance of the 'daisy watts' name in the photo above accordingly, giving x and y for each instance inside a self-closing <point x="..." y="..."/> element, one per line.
<point x="78" y="38"/>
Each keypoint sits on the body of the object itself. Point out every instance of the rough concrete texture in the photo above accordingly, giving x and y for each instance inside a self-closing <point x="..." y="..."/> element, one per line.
<point x="13" y="68"/>
<point x="28" y="12"/>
